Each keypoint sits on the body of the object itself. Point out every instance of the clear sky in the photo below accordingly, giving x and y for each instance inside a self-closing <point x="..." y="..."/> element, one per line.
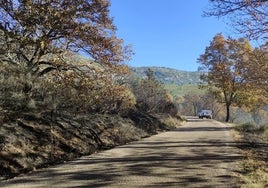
<point x="166" y="33"/>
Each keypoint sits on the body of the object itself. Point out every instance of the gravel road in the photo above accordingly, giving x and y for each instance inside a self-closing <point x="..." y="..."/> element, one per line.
<point x="201" y="153"/>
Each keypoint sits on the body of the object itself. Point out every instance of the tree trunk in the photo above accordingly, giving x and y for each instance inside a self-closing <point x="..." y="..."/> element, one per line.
<point x="228" y="101"/>
<point x="227" y="112"/>
<point x="195" y="109"/>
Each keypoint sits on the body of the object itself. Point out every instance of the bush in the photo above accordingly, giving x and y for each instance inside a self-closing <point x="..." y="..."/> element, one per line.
<point x="97" y="92"/>
<point x="73" y="91"/>
<point x="251" y="128"/>
<point x="16" y="90"/>
<point x="247" y="127"/>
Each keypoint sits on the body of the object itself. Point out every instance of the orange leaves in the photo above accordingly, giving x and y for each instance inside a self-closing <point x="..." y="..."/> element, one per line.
<point x="89" y="89"/>
<point x="42" y="30"/>
<point x="226" y="62"/>
<point x="229" y="63"/>
<point x="41" y="40"/>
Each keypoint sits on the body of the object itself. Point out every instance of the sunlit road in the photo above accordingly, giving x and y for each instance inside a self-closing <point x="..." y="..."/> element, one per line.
<point x="201" y="153"/>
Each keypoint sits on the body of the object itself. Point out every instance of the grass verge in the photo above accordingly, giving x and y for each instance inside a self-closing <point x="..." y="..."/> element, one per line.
<point x="254" y="166"/>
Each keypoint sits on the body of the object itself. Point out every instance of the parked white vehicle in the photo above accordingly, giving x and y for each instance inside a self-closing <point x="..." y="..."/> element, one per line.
<point x="205" y="114"/>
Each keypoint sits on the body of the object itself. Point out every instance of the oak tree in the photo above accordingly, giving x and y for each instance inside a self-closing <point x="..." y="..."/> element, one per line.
<point x="257" y="73"/>
<point x="35" y="33"/>
<point x="39" y="40"/>
<point x="224" y="63"/>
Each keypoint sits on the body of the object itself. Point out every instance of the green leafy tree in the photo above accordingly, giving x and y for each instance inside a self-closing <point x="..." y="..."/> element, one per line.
<point x="225" y="61"/>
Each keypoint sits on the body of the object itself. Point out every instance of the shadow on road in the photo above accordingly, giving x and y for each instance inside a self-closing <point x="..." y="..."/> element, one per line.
<point x="204" y="128"/>
<point x="180" y="158"/>
<point x="147" y="164"/>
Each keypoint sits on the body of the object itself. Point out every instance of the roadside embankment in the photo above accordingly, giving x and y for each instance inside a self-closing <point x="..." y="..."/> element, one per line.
<point x="32" y="142"/>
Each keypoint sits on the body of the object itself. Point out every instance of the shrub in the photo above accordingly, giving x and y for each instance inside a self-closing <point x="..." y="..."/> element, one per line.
<point x="16" y="89"/>
<point x="247" y="127"/>
<point x="252" y="128"/>
<point x="78" y="90"/>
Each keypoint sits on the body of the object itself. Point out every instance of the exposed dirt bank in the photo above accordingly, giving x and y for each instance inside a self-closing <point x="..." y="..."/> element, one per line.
<point x="32" y="142"/>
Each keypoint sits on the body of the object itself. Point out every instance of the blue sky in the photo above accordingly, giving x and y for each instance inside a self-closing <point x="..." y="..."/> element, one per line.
<point x="166" y="33"/>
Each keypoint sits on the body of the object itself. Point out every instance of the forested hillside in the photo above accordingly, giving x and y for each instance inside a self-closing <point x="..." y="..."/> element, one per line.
<point x="169" y="75"/>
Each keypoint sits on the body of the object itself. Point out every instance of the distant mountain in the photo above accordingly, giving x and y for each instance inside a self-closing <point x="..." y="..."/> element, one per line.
<point x="168" y="75"/>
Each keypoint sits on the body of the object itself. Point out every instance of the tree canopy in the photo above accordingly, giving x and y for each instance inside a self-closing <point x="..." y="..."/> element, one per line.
<point x="248" y="16"/>
<point x="39" y="66"/>
<point x="35" y="33"/>
<point x="226" y="62"/>
<point x="258" y="69"/>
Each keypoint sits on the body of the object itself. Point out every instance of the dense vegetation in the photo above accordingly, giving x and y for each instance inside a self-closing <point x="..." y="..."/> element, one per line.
<point x="191" y="98"/>
<point x="168" y="75"/>
<point x="56" y="104"/>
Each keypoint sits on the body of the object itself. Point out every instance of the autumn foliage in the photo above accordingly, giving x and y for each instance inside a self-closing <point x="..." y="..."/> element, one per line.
<point x="40" y="70"/>
<point x="43" y="71"/>
<point x="230" y="70"/>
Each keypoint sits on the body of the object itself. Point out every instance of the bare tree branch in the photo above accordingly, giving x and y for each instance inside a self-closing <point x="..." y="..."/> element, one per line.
<point x="249" y="17"/>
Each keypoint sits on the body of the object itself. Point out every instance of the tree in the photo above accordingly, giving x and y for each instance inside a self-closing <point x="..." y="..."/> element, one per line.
<point x="209" y="101"/>
<point x="225" y="62"/>
<point x="249" y="16"/>
<point x="38" y="43"/>
<point x="193" y="102"/>
<point x="257" y="73"/>
<point x="36" y="33"/>
<point x="151" y="96"/>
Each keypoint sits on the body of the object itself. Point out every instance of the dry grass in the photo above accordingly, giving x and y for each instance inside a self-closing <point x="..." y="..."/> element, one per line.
<point x="254" y="166"/>
<point x="256" y="174"/>
<point x="170" y="122"/>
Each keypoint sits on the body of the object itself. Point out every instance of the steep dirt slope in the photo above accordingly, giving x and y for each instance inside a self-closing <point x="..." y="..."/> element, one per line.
<point x="33" y="142"/>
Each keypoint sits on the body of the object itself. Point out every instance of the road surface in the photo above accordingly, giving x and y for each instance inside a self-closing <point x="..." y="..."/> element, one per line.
<point x="201" y="153"/>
